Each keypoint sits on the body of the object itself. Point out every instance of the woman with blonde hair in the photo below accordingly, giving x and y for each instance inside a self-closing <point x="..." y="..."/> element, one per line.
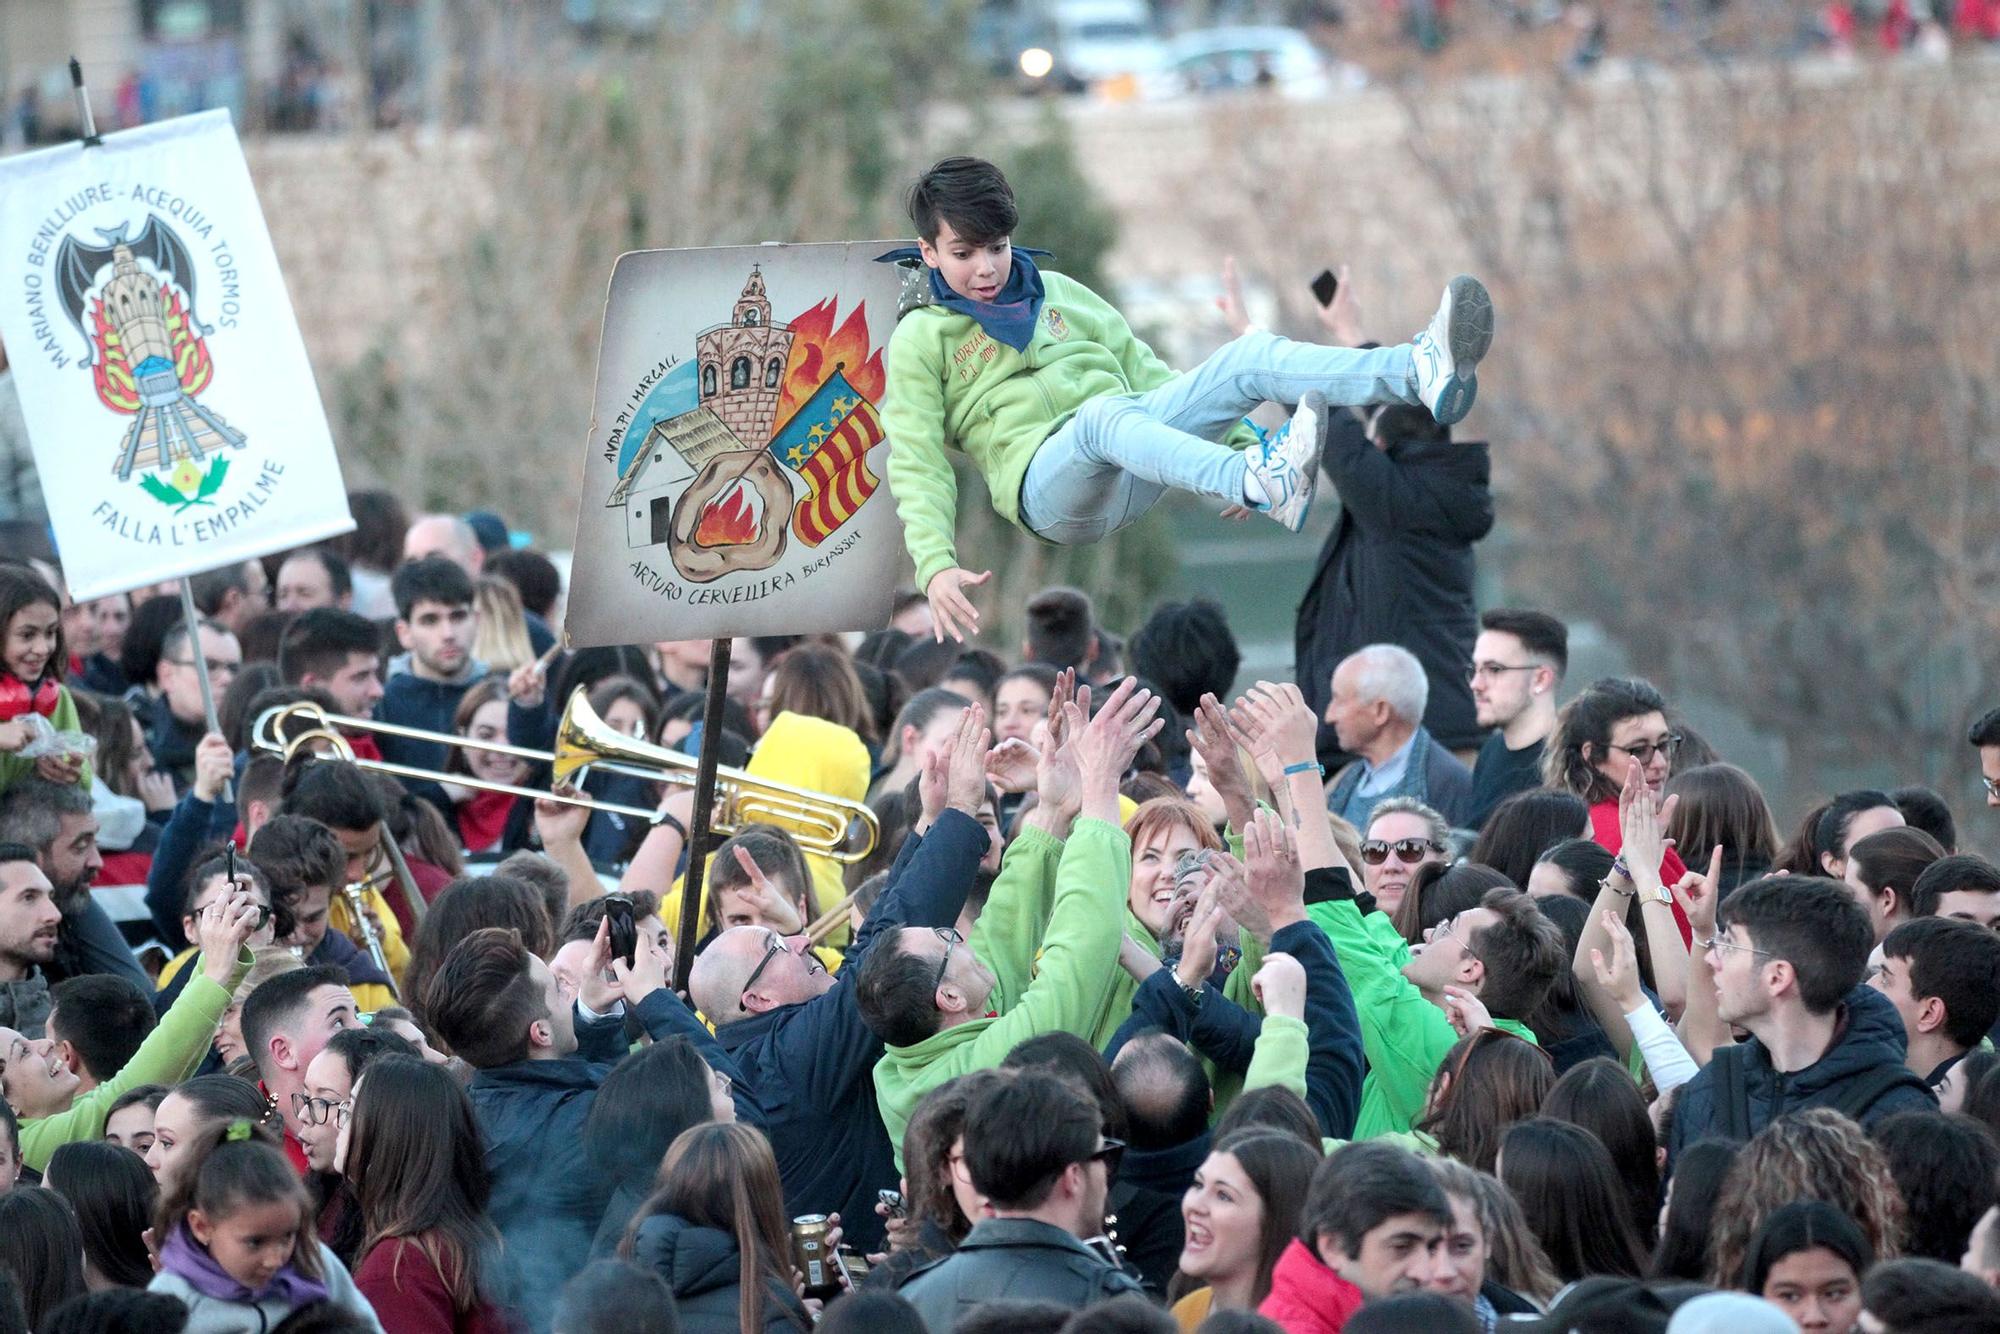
<point x="715" y="1229"/>
<point x="500" y="638"/>
<point x="1816" y="1154"/>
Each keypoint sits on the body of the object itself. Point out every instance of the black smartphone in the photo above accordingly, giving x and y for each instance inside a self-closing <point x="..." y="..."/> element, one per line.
<point x="1324" y="286"/>
<point x="624" y="928"/>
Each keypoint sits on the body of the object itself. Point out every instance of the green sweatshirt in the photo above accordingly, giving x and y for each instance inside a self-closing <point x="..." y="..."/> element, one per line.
<point x="1079" y="955"/>
<point x="951" y="385"/>
<point x="170" y="1053"/>
<point x="1405" y="1035"/>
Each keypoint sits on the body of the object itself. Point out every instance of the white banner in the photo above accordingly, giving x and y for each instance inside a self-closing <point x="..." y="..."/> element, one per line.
<point x="172" y="411"/>
<point x="735" y="481"/>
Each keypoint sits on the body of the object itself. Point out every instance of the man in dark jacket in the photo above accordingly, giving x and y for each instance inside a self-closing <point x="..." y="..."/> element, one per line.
<point x="1398" y="568"/>
<point x="502" y="1011"/>
<point x="1035" y="1148"/>
<point x="1789" y="954"/>
<point x="808" y="1060"/>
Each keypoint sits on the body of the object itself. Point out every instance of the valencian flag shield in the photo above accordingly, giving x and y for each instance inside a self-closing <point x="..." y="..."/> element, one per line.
<point x="827" y="443"/>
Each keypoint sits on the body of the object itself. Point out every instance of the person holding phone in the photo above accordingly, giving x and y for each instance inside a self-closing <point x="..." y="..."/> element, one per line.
<point x="1398" y="567"/>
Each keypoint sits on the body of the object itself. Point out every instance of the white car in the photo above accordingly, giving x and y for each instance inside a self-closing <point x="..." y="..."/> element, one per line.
<point x="1211" y="60"/>
<point x="1105" y="45"/>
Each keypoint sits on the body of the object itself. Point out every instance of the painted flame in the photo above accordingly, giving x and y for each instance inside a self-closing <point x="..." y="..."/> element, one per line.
<point x="818" y="347"/>
<point x="112" y="370"/>
<point x="729" y="520"/>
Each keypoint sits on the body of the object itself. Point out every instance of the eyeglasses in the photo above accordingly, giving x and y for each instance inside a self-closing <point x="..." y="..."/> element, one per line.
<point x="772" y="949"/>
<point x="318" y="1111"/>
<point x="1475" y="670"/>
<point x="1719" y="942"/>
<point x="1409" y="851"/>
<point x="1645" y="750"/>
<point x="949" y="935"/>
<point x="1992" y="785"/>
<point x="1110" y="1153"/>
<point x="215" y="668"/>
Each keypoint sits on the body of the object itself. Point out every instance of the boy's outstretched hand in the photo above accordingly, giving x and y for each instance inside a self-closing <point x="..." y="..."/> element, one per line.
<point x="951" y="609"/>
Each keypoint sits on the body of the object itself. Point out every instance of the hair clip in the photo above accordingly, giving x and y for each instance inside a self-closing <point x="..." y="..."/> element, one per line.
<point x="238" y="1132"/>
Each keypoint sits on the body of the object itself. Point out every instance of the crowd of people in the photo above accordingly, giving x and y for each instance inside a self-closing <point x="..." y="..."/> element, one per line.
<point x="1144" y="1008"/>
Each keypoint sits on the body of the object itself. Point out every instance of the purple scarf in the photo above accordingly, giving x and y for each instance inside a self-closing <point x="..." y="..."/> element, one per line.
<point x="187" y="1258"/>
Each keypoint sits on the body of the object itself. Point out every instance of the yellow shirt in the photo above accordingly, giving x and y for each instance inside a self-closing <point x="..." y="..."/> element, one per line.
<point x="1192" y="1309"/>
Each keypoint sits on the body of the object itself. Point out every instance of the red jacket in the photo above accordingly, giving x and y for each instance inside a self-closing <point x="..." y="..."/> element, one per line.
<point x="410" y="1296"/>
<point x="1610" y="836"/>
<point x="1307" y="1297"/>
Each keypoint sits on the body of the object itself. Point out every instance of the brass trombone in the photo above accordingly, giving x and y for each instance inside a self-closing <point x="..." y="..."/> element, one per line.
<point x="845" y="831"/>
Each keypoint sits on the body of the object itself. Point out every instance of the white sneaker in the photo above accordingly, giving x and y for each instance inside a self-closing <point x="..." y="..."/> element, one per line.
<point x="1450" y="346"/>
<point x="1287" y="464"/>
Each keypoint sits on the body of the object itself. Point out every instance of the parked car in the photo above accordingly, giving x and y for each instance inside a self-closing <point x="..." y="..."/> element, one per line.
<point x="1210" y="60"/>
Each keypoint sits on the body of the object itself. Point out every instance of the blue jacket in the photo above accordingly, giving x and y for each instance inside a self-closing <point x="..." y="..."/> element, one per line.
<point x="1433" y="776"/>
<point x="1861" y="1062"/>
<point x="408" y="700"/>
<point x="1226" y="1033"/>
<point x="810" y="1067"/>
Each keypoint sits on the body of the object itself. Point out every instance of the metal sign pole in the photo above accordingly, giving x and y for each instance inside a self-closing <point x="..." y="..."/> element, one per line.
<point x="200" y="661"/>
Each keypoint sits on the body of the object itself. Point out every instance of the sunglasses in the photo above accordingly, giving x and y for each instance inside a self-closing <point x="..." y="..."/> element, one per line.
<point x="1409" y="851"/>
<point x="1110" y="1154"/>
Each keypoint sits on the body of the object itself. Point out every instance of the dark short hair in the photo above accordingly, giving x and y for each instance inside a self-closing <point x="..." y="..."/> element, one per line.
<point x="1918" y="1296"/>
<point x="1402" y="424"/>
<point x="1810" y="922"/>
<point x="105" y="1017"/>
<point x="359" y="1047"/>
<point x="970" y="194"/>
<point x="31" y="811"/>
<point x="1127" y="1313"/>
<point x="533" y="575"/>
<point x="1804" y="1225"/>
<point x="1584" y="860"/>
<point x="1165" y="1090"/>
<point x="1061" y="626"/>
<point x="1986" y="730"/>
<point x="618" y="1294"/>
<point x="1364" y="1184"/>
<point x="298" y="854"/>
<point x="1013" y="1317"/>
<point x="334" y="792"/>
<point x="432" y="579"/>
<point x="1944" y="1166"/>
<point x="1413" y="1313"/>
<point x="1187" y="649"/>
<point x="1830" y="831"/>
<point x="582" y="921"/>
<point x="319" y="643"/>
<point x="277" y="1001"/>
<point x="118" y="1311"/>
<point x="483" y="997"/>
<point x="1960" y="873"/>
<point x="866" y="1312"/>
<point x="1925" y="809"/>
<point x="1959" y="963"/>
<point x="1524" y="826"/>
<point x="1523" y="952"/>
<point x="1541" y="634"/>
<point x="1894" y="859"/>
<point x="210" y="587"/>
<point x="338" y="576"/>
<point x="896" y="992"/>
<point x="1273" y="1107"/>
<point x="1022" y="1132"/>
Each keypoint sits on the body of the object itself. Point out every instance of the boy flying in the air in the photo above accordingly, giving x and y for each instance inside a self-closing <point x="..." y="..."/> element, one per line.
<point x="1076" y="426"/>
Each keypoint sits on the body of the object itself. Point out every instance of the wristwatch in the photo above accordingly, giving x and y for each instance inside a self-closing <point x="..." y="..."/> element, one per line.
<point x="1193" y="993"/>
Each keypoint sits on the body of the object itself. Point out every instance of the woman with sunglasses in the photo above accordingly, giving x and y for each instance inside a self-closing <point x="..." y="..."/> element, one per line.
<point x="1614" y="732"/>
<point x="1403" y="835"/>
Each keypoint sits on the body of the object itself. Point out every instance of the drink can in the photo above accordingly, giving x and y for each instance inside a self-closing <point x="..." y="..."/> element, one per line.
<point x="809" y="1246"/>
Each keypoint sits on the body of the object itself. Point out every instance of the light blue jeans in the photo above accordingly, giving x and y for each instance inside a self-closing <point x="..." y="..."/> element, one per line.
<point x="1119" y="454"/>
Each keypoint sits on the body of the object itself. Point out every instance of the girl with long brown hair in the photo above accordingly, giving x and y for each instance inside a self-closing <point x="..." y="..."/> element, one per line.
<point x="715" y="1230"/>
<point x="411" y="1153"/>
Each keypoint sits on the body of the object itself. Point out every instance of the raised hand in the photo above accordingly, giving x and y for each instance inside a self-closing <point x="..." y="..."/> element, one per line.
<point x="1341" y="317"/>
<point x="1619" y="977"/>
<point x="1698" y="896"/>
<point x="1642" y="818"/>
<point x="952" y="612"/>
<point x="214" y="762"/>
<point x="222" y="929"/>
<point x="1198" y="937"/>
<point x="778" y="911"/>
<point x="527" y="685"/>
<point x="965" y="766"/>
<point x="647" y="972"/>
<point x="1011" y="765"/>
<point x="931" y="788"/>
<point x="1106" y="744"/>
<point x="1213" y="740"/>
<point x="1276" y="882"/>
<point x="1274" y="716"/>
<point x="1280" y="986"/>
<point x="1232" y="885"/>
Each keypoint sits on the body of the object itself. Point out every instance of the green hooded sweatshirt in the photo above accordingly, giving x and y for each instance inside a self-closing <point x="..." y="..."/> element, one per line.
<point x="951" y="385"/>
<point x="1079" y="959"/>
<point x="1405" y="1035"/>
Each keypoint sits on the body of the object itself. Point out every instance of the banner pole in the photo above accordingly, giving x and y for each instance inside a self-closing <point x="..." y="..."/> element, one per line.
<point x="86" y="123"/>
<point x="699" y="832"/>
<point x="200" y="661"/>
